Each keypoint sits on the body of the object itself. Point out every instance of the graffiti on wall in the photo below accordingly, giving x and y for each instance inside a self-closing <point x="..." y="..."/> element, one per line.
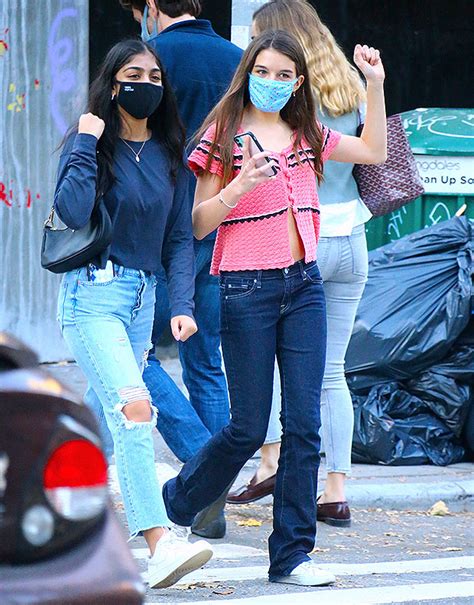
<point x="61" y="49"/>
<point x="43" y="88"/>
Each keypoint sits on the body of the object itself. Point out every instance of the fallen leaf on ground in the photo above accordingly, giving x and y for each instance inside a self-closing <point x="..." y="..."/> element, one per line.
<point x="317" y="549"/>
<point x="439" y="509"/>
<point x="224" y="590"/>
<point x="249" y="523"/>
<point x="195" y="585"/>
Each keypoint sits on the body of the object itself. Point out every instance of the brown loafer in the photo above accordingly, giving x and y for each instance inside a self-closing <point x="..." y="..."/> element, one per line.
<point x="252" y="491"/>
<point x="337" y="514"/>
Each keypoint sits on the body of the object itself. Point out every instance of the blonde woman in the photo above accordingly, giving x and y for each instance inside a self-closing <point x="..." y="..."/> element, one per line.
<point x="342" y="252"/>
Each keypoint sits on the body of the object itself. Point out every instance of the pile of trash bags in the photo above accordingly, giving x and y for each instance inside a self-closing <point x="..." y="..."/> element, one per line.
<point x="410" y="362"/>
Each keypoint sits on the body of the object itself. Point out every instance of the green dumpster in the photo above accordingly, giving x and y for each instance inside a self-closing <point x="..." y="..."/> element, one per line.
<point x="442" y="141"/>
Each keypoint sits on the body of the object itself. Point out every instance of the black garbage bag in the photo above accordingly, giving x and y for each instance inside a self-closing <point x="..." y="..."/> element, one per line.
<point x="446" y="388"/>
<point x="416" y="303"/>
<point x="468" y="431"/>
<point x="394" y="427"/>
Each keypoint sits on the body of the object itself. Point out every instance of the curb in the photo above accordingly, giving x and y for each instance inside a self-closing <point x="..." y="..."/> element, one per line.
<point x="457" y="495"/>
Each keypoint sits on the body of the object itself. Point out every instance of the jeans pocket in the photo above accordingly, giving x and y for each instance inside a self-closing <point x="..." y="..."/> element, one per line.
<point x="92" y="276"/>
<point x="313" y="275"/>
<point x="233" y="288"/>
<point x="360" y="254"/>
<point x="98" y="284"/>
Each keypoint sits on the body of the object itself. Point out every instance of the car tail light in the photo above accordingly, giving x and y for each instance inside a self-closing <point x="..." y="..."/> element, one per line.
<point x="75" y="480"/>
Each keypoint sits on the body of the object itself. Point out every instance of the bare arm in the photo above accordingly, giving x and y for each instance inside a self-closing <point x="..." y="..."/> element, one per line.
<point x="212" y="203"/>
<point x="371" y="146"/>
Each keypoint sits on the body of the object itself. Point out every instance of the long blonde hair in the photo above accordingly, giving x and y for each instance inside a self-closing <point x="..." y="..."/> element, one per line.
<point x="336" y="84"/>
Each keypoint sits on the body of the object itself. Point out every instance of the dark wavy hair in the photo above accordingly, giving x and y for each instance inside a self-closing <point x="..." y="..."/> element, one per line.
<point x="172" y="8"/>
<point x="164" y="122"/>
<point x="299" y="113"/>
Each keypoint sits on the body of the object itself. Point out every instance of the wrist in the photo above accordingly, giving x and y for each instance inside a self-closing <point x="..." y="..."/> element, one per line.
<point x="92" y="134"/>
<point x="232" y="192"/>
<point x="375" y="84"/>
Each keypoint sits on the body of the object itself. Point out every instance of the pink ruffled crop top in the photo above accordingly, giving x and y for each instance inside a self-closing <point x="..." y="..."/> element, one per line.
<point x="254" y="235"/>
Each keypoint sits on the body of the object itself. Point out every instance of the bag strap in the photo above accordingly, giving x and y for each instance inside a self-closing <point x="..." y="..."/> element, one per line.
<point x="49" y="222"/>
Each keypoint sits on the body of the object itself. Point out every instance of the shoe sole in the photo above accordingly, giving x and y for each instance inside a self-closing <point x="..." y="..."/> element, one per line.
<point x="302" y="582"/>
<point x="336" y="522"/>
<point x="195" y="562"/>
<point x="213" y="531"/>
<point x="249" y="500"/>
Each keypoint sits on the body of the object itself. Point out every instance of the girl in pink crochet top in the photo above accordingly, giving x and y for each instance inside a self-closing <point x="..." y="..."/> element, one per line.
<point x="272" y="301"/>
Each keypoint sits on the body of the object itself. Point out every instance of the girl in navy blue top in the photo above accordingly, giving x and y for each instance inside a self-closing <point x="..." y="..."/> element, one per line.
<point x="129" y="147"/>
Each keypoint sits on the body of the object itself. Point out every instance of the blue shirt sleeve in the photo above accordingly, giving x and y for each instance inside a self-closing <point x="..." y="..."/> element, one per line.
<point x="178" y="250"/>
<point x="75" y="193"/>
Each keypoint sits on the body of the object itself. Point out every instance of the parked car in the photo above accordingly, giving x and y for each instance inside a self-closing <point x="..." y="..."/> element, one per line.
<point x="60" y="542"/>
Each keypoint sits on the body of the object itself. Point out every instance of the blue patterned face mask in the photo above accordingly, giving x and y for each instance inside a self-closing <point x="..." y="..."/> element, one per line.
<point x="146" y="37"/>
<point x="268" y="95"/>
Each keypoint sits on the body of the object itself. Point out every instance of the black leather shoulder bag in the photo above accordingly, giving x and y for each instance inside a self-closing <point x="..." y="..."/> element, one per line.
<point x="64" y="249"/>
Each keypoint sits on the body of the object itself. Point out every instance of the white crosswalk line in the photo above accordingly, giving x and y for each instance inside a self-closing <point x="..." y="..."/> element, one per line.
<point x="379" y="595"/>
<point x="229" y="552"/>
<point x="260" y="572"/>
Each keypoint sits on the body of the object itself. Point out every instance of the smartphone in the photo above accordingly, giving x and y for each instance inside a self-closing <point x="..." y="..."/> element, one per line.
<point x="255" y="147"/>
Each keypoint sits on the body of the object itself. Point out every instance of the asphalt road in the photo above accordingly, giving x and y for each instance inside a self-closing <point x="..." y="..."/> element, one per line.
<point x="386" y="556"/>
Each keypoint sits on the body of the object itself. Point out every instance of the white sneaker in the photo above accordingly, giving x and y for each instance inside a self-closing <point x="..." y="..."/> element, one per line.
<point x="174" y="557"/>
<point x="307" y="574"/>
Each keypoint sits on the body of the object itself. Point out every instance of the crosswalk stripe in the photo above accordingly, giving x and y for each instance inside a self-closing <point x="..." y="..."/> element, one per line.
<point x="260" y="572"/>
<point x="229" y="552"/>
<point x="378" y="595"/>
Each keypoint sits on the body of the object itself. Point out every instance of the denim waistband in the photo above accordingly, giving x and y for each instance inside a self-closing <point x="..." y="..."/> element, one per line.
<point x="298" y="268"/>
<point x="119" y="270"/>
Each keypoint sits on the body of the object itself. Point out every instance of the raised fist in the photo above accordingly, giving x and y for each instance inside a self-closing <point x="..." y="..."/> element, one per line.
<point x="91" y="124"/>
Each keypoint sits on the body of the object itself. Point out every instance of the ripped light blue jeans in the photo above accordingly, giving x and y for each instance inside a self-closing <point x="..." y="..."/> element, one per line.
<point x="107" y="327"/>
<point x="343" y="263"/>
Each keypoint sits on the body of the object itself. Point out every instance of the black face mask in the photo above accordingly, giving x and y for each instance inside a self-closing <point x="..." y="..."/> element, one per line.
<point x="139" y="99"/>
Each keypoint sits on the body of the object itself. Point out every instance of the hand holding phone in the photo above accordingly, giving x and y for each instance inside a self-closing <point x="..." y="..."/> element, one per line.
<point x="256" y="148"/>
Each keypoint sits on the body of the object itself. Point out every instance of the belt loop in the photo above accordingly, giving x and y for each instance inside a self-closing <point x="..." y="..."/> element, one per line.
<point x="259" y="278"/>
<point x="302" y="270"/>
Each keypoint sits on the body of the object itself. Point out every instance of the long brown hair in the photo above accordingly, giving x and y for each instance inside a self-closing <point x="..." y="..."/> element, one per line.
<point x="336" y="84"/>
<point x="299" y="113"/>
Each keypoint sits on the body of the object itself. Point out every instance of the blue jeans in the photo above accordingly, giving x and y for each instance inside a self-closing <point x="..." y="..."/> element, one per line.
<point x="107" y="327"/>
<point x="186" y="425"/>
<point x="343" y="262"/>
<point x="263" y="314"/>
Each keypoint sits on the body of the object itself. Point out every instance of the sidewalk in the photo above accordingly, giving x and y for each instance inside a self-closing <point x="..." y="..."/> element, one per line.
<point x="370" y="486"/>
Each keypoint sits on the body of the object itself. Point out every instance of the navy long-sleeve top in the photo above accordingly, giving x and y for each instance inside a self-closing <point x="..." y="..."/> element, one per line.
<point x="151" y="222"/>
<point x="200" y="66"/>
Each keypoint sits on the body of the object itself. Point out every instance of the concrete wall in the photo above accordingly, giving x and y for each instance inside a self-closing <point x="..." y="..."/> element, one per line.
<point x="242" y="11"/>
<point x="43" y="89"/>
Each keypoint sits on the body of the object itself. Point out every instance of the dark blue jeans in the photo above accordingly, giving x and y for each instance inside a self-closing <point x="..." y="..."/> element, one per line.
<point x="186" y="425"/>
<point x="263" y="314"/>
